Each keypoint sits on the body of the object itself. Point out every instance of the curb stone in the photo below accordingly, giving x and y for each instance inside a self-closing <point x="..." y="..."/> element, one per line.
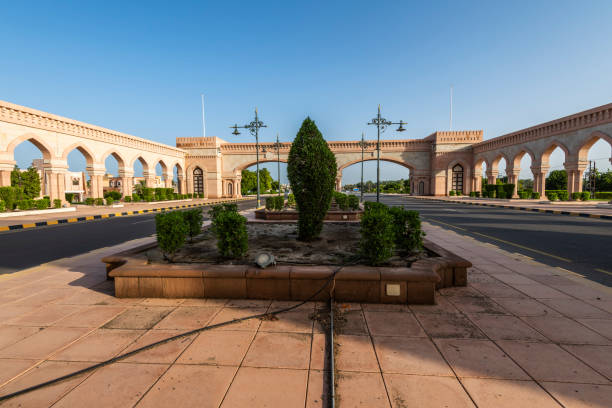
<point x="111" y="215"/>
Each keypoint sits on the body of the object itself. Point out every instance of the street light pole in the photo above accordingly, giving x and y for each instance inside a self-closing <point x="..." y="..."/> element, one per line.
<point x="363" y="144"/>
<point x="381" y="124"/>
<point x="253" y="127"/>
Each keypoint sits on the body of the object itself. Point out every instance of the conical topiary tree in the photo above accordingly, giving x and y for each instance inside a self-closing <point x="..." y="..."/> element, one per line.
<point x="312" y="173"/>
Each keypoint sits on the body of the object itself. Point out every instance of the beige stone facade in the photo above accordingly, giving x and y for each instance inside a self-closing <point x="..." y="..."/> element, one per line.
<point x="438" y="163"/>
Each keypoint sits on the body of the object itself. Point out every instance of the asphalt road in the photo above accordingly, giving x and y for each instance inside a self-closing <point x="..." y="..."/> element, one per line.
<point x="21" y="249"/>
<point x="581" y="245"/>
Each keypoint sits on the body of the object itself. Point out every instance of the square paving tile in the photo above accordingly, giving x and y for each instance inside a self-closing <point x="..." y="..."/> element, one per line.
<point x="393" y="324"/>
<point x="361" y="390"/>
<point x="461" y="291"/>
<point x="479" y="359"/>
<point x="183" y="386"/>
<point x="116" y="385"/>
<point x="407" y="355"/>
<point x="43" y="343"/>
<point x="218" y="348"/>
<point x="580" y="395"/>
<point x="248" y="303"/>
<point x="477" y="305"/>
<point x="319" y="354"/>
<point x="575" y="308"/>
<point x="598" y="357"/>
<point x="507" y="393"/>
<point x="231" y="313"/>
<point x="549" y="362"/>
<point x="100" y="345"/>
<point x="290" y="322"/>
<point x="267" y="387"/>
<point x="12" y="334"/>
<point x="525" y="307"/>
<point x="279" y="350"/>
<point x="12" y="311"/>
<point x="355" y="353"/>
<point x="139" y="317"/>
<point x="601" y="326"/>
<point x="538" y="291"/>
<point x="13" y="367"/>
<point x="497" y="290"/>
<point x="318" y="389"/>
<point x="90" y="316"/>
<point x="443" y="305"/>
<point x="46" y="316"/>
<point x="351" y="322"/>
<point x="566" y="331"/>
<point x="426" y="391"/>
<point x="164" y="353"/>
<point x="187" y="318"/>
<point x="506" y="328"/>
<point x="450" y="326"/>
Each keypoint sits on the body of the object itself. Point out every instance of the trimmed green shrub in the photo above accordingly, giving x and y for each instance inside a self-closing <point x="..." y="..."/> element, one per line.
<point x="189" y="195"/>
<point x="563" y="196"/>
<point x="535" y="195"/>
<point x="10" y="195"/>
<point x="576" y="195"/>
<point x="377" y="235"/>
<point x="501" y="194"/>
<point x="524" y="195"/>
<point x="291" y="200"/>
<point x="509" y="189"/>
<point x="89" y="201"/>
<point x="201" y="195"/>
<point x="312" y="173"/>
<point x="115" y="195"/>
<point x="41" y="204"/>
<point x="585" y="196"/>
<point x="57" y="203"/>
<point x="25" y="204"/>
<point x="127" y="199"/>
<point x="109" y="200"/>
<point x="136" y="198"/>
<point x="353" y="202"/>
<point x="2" y="206"/>
<point x="171" y="231"/>
<point x="193" y="219"/>
<point x="472" y="194"/>
<point x="99" y="201"/>
<point x="451" y="193"/>
<point x="373" y="205"/>
<point x="407" y="229"/>
<point x="69" y="197"/>
<point x="342" y="201"/>
<point x="499" y="189"/>
<point x="477" y="193"/>
<point x="552" y="196"/>
<point x="231" y="232"/>
<point x="603" y="195"/>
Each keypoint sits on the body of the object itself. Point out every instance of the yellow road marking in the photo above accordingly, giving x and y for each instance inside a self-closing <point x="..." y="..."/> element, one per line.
<point x="117" y="214"/>
<point x="72" y="220"/>
<point x="4" y="228"/>
<point x="54" y="222"/>
<point x="594" y="216"/>
<point x="104" y="216"/>
<point x="505" y="242"/>
<point x="602" y="271"/>
<point x="89" y="217"/>
<point x="28" y="225"/>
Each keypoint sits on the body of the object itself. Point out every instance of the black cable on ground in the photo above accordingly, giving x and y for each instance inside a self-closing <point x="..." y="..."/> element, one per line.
<point x="178" y="336"/>
<point x="332" y="374"/>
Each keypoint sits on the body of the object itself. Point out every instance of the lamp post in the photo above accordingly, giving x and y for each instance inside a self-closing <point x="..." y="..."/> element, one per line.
<point x="253" y="127"/>
<point x="364" y="145"/>
<point x="277" y="146"/>
<point x="381" y="124"/>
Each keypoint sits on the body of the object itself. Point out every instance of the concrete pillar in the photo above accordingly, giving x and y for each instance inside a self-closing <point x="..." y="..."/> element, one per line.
<point x="127" y="181"/>
<point x="513" y="176"/>
<point x="182" y="184"/>
<point x="167" y="180"/>
<point x="149" y="177"/>
<point x="5" y="173"/>
<point x="492" y="176"/>
<point x="539" y="179"/>
<point x="575" y="171"/>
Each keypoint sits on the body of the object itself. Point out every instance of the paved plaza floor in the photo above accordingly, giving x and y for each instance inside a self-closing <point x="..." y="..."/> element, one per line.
<point x="521" y="334"/>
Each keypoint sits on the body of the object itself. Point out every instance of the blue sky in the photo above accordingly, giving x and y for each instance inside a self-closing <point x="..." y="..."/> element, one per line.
<point x="139" y="67"/>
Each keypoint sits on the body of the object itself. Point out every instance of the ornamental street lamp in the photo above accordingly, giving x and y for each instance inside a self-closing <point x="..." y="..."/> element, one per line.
<point x="253" y="127"/>
<point x="364" y="145"/>
<point x="277" y="146"/>
<point x="381" y="124"/>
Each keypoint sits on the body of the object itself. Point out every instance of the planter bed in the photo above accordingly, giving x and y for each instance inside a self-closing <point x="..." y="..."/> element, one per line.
<point x="137" y="274"/>
<point x="292" y="215"/>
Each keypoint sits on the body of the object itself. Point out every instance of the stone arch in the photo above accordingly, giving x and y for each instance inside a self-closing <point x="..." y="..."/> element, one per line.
<point x="230" y="188"/>
<point x="594" y="137"/>
<point x="163" y="164"/>
<point x="142" y="160"/>
<point x="116" y="155"/>
<point x="85" y="151"/>
<point x="252" y="163"/>
<point x="516" y="161"/>
<point x="497" y="159"/>
<point x="465" y="178"/>
<point x="552" y="145"/>
<point x="387" y="159"/>
<point x="198" y="180"/>
<point x="46" y="150"/>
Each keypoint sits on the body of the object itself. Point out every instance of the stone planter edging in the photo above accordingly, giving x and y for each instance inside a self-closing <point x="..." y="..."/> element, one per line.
<point x="359" y="283"/>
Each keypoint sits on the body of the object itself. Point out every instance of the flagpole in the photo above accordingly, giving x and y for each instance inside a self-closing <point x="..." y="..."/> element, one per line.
<point x="203" y="120"/>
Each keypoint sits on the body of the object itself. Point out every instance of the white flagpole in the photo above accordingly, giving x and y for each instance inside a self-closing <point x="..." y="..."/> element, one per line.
<point x="203" y="120"/>
<point x="451" y="109"/>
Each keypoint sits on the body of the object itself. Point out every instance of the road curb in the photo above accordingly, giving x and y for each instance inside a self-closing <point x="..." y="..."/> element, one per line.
<point x="111" y="215"/>
<point x="513" y="207"/>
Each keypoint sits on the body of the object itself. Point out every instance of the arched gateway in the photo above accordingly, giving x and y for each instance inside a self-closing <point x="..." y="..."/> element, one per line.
<point x="438" y="163"/>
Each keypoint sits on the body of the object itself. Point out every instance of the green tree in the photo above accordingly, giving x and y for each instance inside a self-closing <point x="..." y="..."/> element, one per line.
<point x="275" y="185"/>
<point x="556" y="180"/>
<point x="312" y="172"/>
<point x="28" y="180"/>
<point x="248" y="182"/>
<point x="265" y="180"/>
